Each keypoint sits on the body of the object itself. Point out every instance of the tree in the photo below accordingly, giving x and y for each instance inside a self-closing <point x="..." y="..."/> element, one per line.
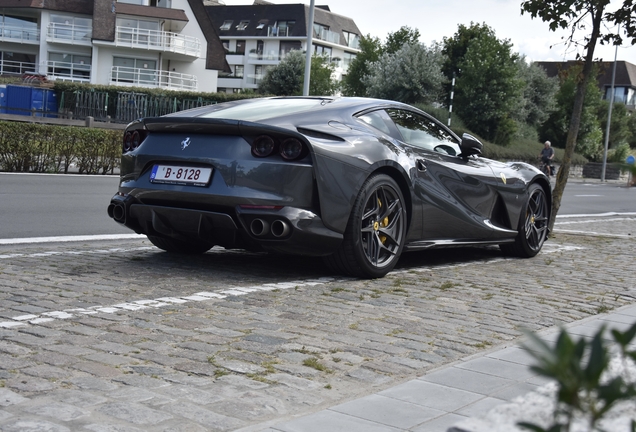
<point x="488" y="87"/>
<point x="287" y="78"/>
<point x="413" y="74"/>
<point x="320" y="81"/>
<point x="370" y="50"/>
<point x="538" y="99"/>
<point x="574" y="15"/>
<point x="404" y="36"/>
<point x="556" y="127"/>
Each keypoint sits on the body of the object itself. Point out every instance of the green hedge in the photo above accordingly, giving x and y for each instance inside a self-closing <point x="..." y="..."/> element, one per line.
<point x="29" y="147"/>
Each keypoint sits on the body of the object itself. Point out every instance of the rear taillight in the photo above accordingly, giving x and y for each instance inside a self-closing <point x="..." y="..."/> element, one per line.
<point x="289" y="149"/>
<point x="263" y="146"/>
<point x="132" y="140"/>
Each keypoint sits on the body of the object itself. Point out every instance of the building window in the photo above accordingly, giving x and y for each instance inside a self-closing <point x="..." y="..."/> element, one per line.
<point x="69" y="65"/>
<point x="261" y="24"/>
<point x="286" y="47"/>
<point x="71" y="28"/>
<point x="352" y="40"/>
<point x="323" y="51"/>
<point x="20" y="28"/>
<point x="347" y="58"/>
<point x="16" y="63"/>
<point x="239" y="71"/>
<point x="240" y="47"/>
<point x="242" y="25"/>
<point x="138" y="31"/>
<point x="226" y="25"/>
<point x="131" y="70"/>
<point x="320" y="30"/>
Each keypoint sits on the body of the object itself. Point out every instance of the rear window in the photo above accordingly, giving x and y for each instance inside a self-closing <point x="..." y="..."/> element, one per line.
<point x="262" y="109"/>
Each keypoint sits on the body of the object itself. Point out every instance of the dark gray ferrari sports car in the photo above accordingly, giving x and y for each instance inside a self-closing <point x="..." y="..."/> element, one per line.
<point x="356" y="181"/>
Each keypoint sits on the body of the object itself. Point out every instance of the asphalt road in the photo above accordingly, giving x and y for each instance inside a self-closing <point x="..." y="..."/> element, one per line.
<point x="33" y="205"/>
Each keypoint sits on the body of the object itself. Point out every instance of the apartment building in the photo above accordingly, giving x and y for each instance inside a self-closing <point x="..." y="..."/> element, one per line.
<point x="168" y="44"/>
<point x="257" y="37"/>
<point x="624" y="80"/>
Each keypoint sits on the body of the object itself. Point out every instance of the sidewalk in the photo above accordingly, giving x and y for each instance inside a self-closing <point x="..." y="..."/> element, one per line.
<point x="440" y="399"/>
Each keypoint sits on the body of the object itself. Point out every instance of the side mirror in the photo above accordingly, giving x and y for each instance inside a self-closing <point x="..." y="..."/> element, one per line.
<point x="470" y="145"/>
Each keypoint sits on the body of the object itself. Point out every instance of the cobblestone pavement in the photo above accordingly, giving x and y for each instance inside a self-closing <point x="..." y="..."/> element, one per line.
<point x="109" y="336"/>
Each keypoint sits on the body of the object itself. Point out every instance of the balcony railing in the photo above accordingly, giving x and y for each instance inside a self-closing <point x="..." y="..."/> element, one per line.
<point x="327" y="36"/>
<point x="19" y="34"/>
<point x="68" y="71"/>
<point x="254" y="79"/>
<point x="17" y="68"/>
<point x="158" y="40"/>
<point x="153" y="78"/>
<point x="278" y="31"/>
<point x="69" y="33"/>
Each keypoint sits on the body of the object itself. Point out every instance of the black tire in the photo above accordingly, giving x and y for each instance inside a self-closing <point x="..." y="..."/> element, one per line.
<point x="533" y="225"/>
<point x="180" y="247"/>
<point x="375" y="233"/>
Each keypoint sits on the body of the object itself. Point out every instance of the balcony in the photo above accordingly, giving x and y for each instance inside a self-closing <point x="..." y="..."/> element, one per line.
<point x="16" y="68"/>
<point x="327" y="36"/>
<point x="67" y="71"/>
<point x="266" y="58"/>
<point x="19" y="34"/>
<point x="69" y="33"/>
<point x="158" y="41"/>
<point x="152" y="78"/>
<point x="278" y="31"/>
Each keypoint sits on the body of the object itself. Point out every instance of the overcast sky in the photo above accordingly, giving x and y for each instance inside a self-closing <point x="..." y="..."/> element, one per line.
<point x="436" y="19"/>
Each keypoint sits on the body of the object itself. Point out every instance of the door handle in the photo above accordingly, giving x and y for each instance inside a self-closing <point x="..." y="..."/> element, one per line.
<point x="421" y="165"/>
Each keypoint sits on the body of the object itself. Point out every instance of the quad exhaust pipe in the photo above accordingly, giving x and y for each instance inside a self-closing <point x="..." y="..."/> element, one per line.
<point x="261" y="228"/>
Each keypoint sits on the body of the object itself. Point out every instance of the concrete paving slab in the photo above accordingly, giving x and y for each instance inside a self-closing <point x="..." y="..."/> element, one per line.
<point x="332" y="421"/>
<point x="440" y="424"/>
<point x="497" y="367"/>
<point x="467" y="380"/>
<point x="388" y="411"/>
<point x="432" y="395"/>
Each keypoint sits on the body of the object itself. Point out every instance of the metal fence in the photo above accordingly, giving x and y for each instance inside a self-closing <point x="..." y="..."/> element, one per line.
<point x="125" y="107"/>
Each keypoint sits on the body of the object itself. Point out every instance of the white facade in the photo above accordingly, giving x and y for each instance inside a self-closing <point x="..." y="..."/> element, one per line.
<point x="147" y="52"/>
<point x="250" y="57"/>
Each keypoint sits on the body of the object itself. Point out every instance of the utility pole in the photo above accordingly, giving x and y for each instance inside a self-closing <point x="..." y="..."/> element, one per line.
<point x="310" y="34"/>
<point x="609" y="117"/>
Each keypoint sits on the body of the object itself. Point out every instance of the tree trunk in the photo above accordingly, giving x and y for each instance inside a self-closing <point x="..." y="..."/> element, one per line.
<point x="575" y="120"/>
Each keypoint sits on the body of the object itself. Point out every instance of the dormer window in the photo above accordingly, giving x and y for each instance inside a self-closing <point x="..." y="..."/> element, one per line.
<point x="261" y="25"/>
<point x="242" y="25"/>
<point x="227" y="25"/>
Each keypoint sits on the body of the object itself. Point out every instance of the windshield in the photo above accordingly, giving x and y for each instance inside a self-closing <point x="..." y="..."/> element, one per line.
<point x="262" y="109"/>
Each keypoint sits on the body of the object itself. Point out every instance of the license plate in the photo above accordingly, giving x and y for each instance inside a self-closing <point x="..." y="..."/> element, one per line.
<point x="182" y="175"/>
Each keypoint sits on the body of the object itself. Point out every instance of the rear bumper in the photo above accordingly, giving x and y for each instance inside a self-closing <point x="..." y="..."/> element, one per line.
<point x="285" y="230"/>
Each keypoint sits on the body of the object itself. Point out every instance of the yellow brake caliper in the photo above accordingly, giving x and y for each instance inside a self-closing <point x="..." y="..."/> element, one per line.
<point x="383" y="223"/>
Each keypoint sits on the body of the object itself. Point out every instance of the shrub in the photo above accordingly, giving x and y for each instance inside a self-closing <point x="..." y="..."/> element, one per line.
<point x="28" y="147"/>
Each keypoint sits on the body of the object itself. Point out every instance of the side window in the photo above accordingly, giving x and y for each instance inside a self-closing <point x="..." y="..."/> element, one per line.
<point x="377" y="120"/>
<point x="424" y="133"/>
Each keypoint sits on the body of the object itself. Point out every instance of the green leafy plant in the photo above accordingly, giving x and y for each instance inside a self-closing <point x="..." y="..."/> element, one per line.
<point x="580" y="368"/>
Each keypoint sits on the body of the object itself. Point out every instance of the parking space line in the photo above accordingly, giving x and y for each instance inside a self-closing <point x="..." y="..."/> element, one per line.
<point x="144" y="304"/>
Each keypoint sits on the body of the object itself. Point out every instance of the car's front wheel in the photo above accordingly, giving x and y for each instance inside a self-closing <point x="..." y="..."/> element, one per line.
<point x="533" y="225"/>
<point x="375" y="233"/>
<point x="178" y="246"/>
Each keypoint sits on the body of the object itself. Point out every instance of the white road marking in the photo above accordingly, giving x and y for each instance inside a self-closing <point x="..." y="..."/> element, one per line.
<point x="138" y="305"/>
<point x="588" y="195"/>
<point x="593" y="233"/>
<point x="594" y="220"/>
<point x="87" y="252"/>
<point x="595" y="215"/>
<point x="71" y="238"/>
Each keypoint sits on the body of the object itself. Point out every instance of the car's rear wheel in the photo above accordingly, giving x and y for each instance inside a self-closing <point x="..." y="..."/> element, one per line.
<point x="533" y="225"/>
<point x="180" y="247"/>
<point x="375" y="233"/>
